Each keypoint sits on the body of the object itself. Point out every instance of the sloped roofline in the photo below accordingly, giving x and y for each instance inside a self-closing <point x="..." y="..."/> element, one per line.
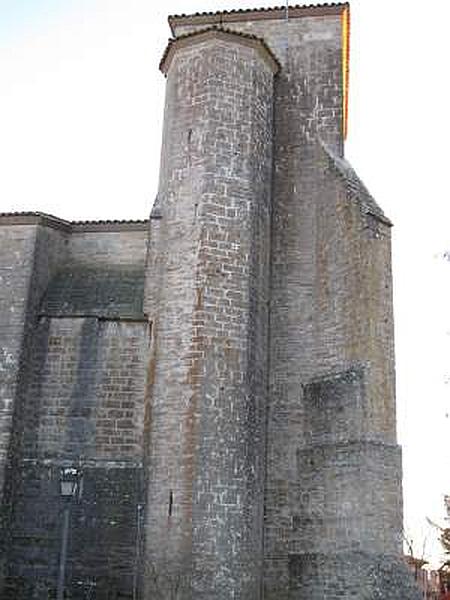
<point x="40" y="218"/>
<point x="220" y="33"/>
<point x="256" y="14"/>
<point x="355" y="186"/>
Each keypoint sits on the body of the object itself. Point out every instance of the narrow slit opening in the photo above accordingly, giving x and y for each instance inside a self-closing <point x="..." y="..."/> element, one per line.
<point x="170" y="503"/>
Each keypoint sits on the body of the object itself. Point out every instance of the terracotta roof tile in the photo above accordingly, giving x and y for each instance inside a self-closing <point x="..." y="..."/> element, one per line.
<point x="247" y="36"/>
<point x="297" y="10"/>
<point x="111" y="222"/>
<point x="40" y="218"/>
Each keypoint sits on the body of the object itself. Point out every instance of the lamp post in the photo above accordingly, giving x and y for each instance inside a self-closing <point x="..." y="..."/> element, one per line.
<point x="69" y="489"/>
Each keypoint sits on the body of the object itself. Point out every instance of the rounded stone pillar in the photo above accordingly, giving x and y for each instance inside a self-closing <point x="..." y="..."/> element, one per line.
<point x="206" y="404"/>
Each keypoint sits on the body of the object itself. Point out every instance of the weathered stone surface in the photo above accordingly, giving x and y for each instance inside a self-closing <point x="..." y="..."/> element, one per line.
<point x="222" y="376"/>
<point x="74" y="379"/>
<point x="111" y="291"/>
<point x="330" y="311"/>
<point x="104" y="533"/>
<point x="209" y="366"/>
<point x="352" y="575"/>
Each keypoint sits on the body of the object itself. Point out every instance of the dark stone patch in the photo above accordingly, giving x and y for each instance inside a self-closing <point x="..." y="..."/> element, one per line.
<point x="335" y="407"/>
<point x="113" y="291"/>
<point x="104" y="544"/>
<point x="80" y="437"/>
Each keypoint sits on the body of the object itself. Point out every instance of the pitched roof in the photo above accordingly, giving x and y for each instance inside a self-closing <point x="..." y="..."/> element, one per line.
<point x="40" y="218"/>
<point x="277" y="12"/>
<point x="355" y="186"/>
<point x="221" y="33"/>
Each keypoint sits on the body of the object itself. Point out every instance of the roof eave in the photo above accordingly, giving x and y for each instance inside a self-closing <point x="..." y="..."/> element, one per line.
<point x="215" y="32"/>
<point x="233" y="16"/>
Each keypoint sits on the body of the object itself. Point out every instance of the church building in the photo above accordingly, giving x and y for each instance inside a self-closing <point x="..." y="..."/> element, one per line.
<point x="201" y="405"/>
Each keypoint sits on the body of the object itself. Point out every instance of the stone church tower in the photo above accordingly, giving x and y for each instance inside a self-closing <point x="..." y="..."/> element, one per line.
<point x="201" y="406"/>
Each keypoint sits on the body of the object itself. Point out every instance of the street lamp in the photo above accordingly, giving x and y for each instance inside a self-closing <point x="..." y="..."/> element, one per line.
<point x="69" y="482"/>
<point x="70" y="488"/>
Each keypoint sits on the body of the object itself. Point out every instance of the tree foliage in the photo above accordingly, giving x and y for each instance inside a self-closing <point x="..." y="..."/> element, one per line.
<point x="445" y="568"/>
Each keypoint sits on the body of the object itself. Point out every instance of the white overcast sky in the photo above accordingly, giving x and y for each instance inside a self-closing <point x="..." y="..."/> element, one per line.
<point x="81" y="104"/>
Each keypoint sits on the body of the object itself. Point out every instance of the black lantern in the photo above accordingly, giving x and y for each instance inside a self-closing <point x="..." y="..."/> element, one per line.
<point x="69" y="482"/>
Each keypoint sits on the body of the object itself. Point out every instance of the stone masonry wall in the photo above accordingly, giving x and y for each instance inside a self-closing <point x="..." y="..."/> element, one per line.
<point x="222" y="378"/>
<point x="110" y="247"/>
<point x="80" y="404"/>
<point x="86" y="388"/>
<point x="208" y="371"/>
<point x="348" y="484"/>
<point x="16" y="266"/>
<point x="28" y="257"/>
<point x="103" y="556"/>
<point x="330" y="317"/>
<point x="84" y="409"/>
<point x="308" y="88"/>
